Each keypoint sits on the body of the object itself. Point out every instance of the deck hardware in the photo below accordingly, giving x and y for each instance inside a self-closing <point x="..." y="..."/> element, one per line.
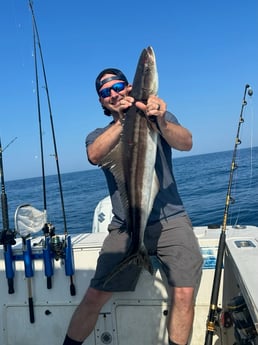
<point x="106" y="338"/>
<point x="244" y="244"/>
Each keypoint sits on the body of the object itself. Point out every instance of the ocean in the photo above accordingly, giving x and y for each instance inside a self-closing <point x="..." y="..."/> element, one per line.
<point x="202" y="182"/>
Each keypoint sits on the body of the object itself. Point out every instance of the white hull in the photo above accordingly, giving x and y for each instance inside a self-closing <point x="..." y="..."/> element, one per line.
<point x="137" y="317"/>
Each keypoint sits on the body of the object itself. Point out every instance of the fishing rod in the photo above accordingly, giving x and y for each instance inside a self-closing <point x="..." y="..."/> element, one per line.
<point x="51" y="116"/>
<point x="6" y="236"/>
<point x="210" y="327"/>
<point x="69" y="267"/>
<point x="28" y="267"/>
<point x="28" y="220"/>
<point x="47" y="228"/>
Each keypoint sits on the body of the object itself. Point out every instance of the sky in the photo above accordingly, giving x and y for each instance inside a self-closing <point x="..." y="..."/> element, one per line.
<point x="206" y="51"/>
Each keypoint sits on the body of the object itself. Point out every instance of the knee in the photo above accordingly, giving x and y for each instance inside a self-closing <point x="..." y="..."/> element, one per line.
<point x="183" y="296"/>
<point x="96" y="298"/>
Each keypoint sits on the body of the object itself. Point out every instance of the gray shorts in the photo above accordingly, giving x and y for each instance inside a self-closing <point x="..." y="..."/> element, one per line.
<point x="174" y="244"/>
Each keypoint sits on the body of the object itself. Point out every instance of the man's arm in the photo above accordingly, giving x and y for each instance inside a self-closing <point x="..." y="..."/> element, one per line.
<point x="104" y="143"/>
<point x="176" y="136"/>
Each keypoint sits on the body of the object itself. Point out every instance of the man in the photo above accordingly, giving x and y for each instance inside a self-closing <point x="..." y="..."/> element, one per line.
<point x="169" y="234"/>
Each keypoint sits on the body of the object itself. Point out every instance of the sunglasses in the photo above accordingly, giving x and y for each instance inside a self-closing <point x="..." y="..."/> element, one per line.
<point x="117" y="87"/>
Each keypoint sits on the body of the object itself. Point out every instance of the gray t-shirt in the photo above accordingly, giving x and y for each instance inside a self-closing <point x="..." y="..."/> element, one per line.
<point x="167" y="202"/>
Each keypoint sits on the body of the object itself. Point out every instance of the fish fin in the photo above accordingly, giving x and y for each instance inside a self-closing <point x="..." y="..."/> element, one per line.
<point x="115" y="155"/>
<point x="111" y="157"/>
<point x="140" y="259"/>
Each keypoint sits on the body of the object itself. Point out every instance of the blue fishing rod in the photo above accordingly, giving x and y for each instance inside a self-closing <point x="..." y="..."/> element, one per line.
<point x="69" y="267"/>
<point x="6" y="235"/>
<point x="28" y="267"/>
<point x="213" y="311"/>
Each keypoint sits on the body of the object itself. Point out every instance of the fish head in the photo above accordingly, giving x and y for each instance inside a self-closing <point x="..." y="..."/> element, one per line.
<point x="145" y="81"/>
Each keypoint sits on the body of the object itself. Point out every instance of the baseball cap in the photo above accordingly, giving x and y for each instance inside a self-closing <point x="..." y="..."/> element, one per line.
<point x="118" y="75"/>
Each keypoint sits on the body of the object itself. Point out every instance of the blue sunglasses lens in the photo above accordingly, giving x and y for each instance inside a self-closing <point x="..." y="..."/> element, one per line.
<point x="117" y="87"/>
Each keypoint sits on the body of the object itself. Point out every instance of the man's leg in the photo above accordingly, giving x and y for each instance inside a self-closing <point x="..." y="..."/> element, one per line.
<point x="181" y="315"/>
<point x="86" y="314"/>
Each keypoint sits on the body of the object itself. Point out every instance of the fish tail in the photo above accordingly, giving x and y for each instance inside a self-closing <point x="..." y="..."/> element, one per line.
<point x="143" y="260"/>
<point x="140" y="259"/>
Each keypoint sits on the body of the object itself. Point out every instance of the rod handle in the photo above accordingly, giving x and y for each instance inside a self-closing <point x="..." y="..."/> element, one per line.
<point x="208" y="338"/>
<point x="72" y="287"/>
<point x="9" y="271"/>
<point x="69" y="265"/>
<point x="31" y="310"/>
<point x="49" y="283"/>
<point x="30" y="300"/>
<point x="10" y="286"/>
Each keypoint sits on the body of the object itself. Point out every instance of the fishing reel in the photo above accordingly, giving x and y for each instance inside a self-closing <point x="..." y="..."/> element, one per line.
<point x="48" y="229"/>
<point x="62" y="249"/>
<point x="244" y="328"/>
<point x="7" y="237"/>
<point x="57" y="246"/>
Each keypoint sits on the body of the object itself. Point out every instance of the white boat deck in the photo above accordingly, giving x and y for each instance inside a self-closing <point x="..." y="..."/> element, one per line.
<point x="137" y="317"/>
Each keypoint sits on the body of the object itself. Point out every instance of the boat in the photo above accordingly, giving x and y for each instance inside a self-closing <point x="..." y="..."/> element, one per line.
<point x="137" y="317"/>
<point x="43" y="278"/>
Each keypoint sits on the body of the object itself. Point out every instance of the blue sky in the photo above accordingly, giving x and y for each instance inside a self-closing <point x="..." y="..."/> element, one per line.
<point x="206" y="52"/>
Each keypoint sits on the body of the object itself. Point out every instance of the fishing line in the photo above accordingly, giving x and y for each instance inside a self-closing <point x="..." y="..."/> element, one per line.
<point x="2" y="150"/>
<point x="252" y="133"/>
<point x="252" y="116"/>
<point x="244" y="194"/>
<point x="213" y="314"/>
<point x="249" y="158"/>
<point x="40" y="122"/>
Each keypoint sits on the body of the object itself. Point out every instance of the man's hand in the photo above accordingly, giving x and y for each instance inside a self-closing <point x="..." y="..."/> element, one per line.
<point x="155" y="106"/>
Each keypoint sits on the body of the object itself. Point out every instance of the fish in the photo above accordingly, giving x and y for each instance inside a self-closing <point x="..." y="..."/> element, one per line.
<point x="132" y="163"/>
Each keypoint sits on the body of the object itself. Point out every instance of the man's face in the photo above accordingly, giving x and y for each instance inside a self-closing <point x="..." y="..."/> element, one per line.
<point x="112" y="92"/>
